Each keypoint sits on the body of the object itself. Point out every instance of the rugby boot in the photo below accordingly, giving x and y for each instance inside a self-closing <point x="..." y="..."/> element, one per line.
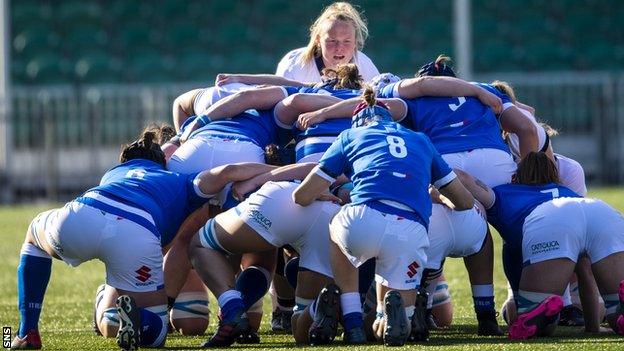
<point x="397" y="329"/>
<point x="571" y="316"/>
<point x="531" y="323"/>
<point x="431" y="323"/>
<point x="488" y="325"/>
<point x="354" y="336"/>
<point x="129" y="334"/>
<point x="620" y="320"/>
<point x="325" y="323"/>
<point x="248" y="337"/>
<point x="227" y="332"/>
<point x="420" y="327"/>
<point x="32" y="341"/>
<point x="281" y="321"/>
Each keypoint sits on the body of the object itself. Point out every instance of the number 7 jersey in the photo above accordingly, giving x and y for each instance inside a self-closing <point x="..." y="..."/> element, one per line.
<point x="386" y="161"/>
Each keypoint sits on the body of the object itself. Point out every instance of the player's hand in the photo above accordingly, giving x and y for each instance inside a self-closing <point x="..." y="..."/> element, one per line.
<point x="327" y="196"/>
<point x="491" y="100"/>
<point x="308" y="119"/>
<point x="242" y="188"/>
<point x="226" y="78"/>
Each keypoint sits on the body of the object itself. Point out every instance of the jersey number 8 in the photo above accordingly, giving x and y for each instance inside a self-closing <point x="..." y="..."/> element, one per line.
<point x="396" y="146"/>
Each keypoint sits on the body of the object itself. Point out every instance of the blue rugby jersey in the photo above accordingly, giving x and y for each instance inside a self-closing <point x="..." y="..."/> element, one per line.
<point x="454" y="124"/>
<point x="166" y="196"/>
<point x="514" y="202"/>
<point x="386" y="161"/>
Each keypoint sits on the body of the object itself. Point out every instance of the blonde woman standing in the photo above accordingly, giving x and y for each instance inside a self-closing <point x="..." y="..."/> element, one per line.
<point x="336" y="37"/>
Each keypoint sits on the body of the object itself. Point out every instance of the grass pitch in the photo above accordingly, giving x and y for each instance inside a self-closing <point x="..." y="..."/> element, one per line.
<point x="66" y="316"/>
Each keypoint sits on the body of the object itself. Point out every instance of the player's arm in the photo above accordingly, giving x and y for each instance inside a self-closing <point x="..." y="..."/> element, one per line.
<point x="446" y="86"/>
<point x="183" y="107"/>
<point x="314" y="187"/>
<point x="290" y="172"/>
<point x="258" y="79"/>
<point x="288" y="110"/>
<point x="260" y="99"/>
<point x="316" y="184"/>
<point x="344" y="109"/>
<point x="210" y="182"/>
<point x="514" y="121"/>
<point x="458" y="195"/>
<point x="478" y="189"/>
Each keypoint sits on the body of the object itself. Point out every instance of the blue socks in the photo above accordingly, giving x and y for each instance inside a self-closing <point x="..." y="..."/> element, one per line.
<point x="33" y="275"/>
<point x="353" y="320"/>
<point x="253" y="284"/>
<point x="231" y="303"/>
<point x="153" y="327"/>
<point x="483" y="298"/>
<point x="291" y="270"/>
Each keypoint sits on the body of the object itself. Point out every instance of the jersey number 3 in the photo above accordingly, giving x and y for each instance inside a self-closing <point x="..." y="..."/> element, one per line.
<point x="396" y="146"/>
<point x="460" y="101"/>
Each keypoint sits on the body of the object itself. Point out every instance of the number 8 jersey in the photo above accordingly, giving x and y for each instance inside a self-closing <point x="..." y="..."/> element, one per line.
<point x="386" y="161"/>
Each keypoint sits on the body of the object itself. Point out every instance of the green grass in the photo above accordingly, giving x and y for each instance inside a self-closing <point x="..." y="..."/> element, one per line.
<point x="65" y="323"/>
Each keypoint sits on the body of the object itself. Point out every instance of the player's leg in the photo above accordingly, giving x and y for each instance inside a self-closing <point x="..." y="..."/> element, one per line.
<point x="480" y="267"/>
<point x="189" y="313"/>
<point x="306" y="292"/>
<point x="399" y="271"/>
<point x="225" y="234"/>
<point x="33" y="275"/>
<point x="282" y="296"/>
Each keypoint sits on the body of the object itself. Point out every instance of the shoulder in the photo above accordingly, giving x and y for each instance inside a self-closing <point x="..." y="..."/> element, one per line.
<point x="367" y="68"/>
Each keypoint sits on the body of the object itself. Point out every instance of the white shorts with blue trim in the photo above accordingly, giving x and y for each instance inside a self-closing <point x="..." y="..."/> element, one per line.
<point x="399" y="244"/>
<point x="569" y="227"/>
<point x="454" y="234"/>
<point x="272" y="213"/>
<point x="205" y="151"/>
<point x="79" y="233"/>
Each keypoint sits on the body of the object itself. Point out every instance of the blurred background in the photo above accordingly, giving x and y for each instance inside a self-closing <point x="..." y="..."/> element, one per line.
<point x="82" y="76"/>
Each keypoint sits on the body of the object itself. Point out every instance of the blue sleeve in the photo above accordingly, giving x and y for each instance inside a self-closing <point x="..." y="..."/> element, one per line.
<point x="493" y="212"/>
<point x="388" y="91"/>
<point x="194" y="194"/>
<point x="492" y="89"/>
<point x="292" y="90"/>
<point x="333" y="163"/>
<point x="441" y="172"/>
<point x="186" y="123"/>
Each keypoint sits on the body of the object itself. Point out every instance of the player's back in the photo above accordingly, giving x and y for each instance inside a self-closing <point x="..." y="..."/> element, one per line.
<point x="390" y="162"/>
<point x="514" y="202"/>
<point x="455" y="124"/>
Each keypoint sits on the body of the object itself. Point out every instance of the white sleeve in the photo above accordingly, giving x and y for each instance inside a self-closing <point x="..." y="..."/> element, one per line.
<point x="367" y="68"/>
<point x="287" y="64"/>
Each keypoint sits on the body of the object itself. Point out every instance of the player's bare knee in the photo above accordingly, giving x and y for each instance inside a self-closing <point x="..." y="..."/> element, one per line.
<point x="190" y="313"/>
<point x="109" y="322"/>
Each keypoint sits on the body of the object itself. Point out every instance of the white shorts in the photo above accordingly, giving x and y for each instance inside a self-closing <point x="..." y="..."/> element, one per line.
<point x="204" y="151"/>
<point x="79" y="233"/>
<point x="454" y="234"/>
<point x="208" y="96"/>
<point x="568" y="227"/>
<point x="272" y="213"/>
<point x="398" y="244"/>
<point x="491" y="166"/>
<point x="571" y="174"/>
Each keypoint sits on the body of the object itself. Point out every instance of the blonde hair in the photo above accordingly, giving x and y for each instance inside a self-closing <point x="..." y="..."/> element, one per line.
<point x="369" y="96"/>
<point x="347" y="76"/>
<point x="505" y="88"/>
<point x="341" y="11"/>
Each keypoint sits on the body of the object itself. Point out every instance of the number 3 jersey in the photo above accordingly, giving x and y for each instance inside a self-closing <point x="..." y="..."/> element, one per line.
<point x="514" y="202"/>
<point x="386" y="161"/>
<point x="454" y="124"/>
